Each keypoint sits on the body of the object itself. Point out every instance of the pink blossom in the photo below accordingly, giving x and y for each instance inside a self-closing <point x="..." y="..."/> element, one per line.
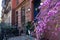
<point x="48" y="18"/>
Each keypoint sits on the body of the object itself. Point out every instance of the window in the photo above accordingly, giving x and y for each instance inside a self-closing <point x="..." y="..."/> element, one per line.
<point x="17" y="1"/>
<point x="16" y="13"/>
<point x="9" y="0"/>
<point x="23" y="11"/>
<point x="23" y="16"/>
<point x="16" y="18"/>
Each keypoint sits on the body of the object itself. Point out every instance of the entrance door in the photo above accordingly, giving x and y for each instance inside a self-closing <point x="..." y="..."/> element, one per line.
<point x="36" y="5"/>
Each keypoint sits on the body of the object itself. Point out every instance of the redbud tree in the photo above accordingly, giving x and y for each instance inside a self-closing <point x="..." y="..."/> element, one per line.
<point x="48" y="26"/>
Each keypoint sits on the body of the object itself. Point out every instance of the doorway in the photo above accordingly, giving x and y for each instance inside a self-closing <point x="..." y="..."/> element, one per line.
<point x="36" y="5"/>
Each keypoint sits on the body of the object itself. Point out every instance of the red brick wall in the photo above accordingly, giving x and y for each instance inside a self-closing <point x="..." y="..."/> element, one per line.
<point x="13" y="11"/>
<point x="20" y="1"/>
<point x="32" y="9"/>
<point x="13" y="4"/>
<point x="13" y="17"/>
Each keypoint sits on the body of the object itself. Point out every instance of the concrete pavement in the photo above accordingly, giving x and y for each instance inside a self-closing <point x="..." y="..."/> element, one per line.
<point x="25" y="37"/>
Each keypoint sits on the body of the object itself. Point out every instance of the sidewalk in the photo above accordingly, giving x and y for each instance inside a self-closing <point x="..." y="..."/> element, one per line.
<point x="25" y="37"/>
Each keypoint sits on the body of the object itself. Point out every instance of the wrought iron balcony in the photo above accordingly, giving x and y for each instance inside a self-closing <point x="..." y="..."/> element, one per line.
<point x="7" y="9"/>
<point x="7" y="3"/>
<point x="4" y="11"/>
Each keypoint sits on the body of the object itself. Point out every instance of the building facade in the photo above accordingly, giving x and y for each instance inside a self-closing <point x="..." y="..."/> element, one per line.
<point x="25" y="11"/>
<point x="13" y="11"/>
<point x="3" y="9"/>
<point x="6" y="11"/>
<point x="19" y="12"/>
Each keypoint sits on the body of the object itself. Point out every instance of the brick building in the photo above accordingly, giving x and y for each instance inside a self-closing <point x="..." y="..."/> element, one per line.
<point x="25" y="11"/>
<point x="17" y="6"/>
<point x="21" y="12"/>
<point x="13" y="11"/>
